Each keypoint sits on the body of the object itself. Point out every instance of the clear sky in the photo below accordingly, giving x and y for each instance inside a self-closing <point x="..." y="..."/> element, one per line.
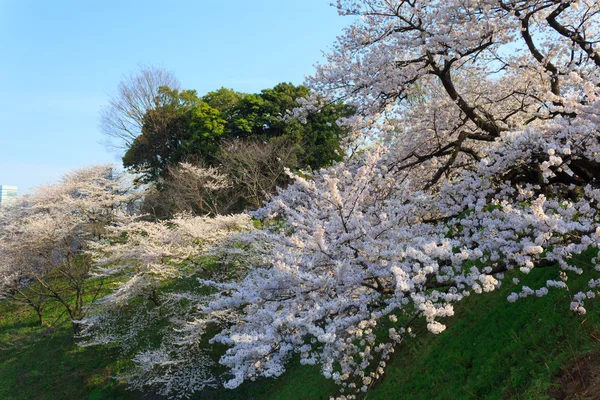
<point x="61" y="59"/>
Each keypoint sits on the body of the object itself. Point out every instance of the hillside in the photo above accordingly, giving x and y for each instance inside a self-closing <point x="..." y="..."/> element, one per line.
<point x="532" y="349"/>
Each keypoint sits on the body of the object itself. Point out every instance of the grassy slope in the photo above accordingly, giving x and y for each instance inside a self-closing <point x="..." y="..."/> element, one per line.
<point x="42" y="363"/>
<point x="492" y="349"/>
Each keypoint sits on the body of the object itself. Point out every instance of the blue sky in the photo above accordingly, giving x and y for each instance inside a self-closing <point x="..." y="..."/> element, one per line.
<point x="62" y="59"/>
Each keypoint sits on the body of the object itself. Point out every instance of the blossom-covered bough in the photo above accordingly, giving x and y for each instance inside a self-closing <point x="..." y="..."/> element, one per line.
<point x="448" y="78"/>
<point x="153" y="252"/>
<point x="481" y="120"/>
<point x="357" y="248"/>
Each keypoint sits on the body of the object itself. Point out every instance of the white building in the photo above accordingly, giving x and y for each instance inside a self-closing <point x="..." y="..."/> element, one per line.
<point x="7" y="193"/>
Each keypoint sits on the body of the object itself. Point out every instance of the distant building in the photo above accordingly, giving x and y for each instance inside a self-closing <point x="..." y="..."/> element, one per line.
<point x="7" y="193"/>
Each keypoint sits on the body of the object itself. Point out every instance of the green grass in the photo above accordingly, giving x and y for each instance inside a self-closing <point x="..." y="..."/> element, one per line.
<point x="492" y="349"/>
<point x="43" y="363"/>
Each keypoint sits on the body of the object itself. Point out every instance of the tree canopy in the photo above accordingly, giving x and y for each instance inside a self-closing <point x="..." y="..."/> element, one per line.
<point x="45" y="235"/>
<point x="480" y="69"/>
<point x="266" y="115"/>
<point x="183" y="125"/>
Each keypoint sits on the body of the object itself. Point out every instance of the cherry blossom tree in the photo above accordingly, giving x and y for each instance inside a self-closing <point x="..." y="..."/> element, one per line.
<point x="156" y="261"/>
<point x="44" y="236"/>
<point x="146" y="254"/>
<point x="359" y="249"/>
<point x="444" y="80"/>
<point x="477" y="127"/>
<point x="488" y="112"/>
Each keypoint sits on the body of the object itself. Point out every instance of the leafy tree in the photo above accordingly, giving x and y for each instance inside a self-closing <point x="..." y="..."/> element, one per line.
<point x="319" y="137"/>
<point x="266" y="115"/>
<point x="182" y="126"/>
<point x="224" y="100"/>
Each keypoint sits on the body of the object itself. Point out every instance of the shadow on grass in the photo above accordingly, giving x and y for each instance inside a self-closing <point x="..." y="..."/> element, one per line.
<point x="42" y="362"/>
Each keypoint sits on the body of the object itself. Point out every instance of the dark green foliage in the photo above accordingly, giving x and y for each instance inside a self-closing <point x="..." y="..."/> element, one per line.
<point x="263" y="115"/>
<point x="182" y="126"/>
